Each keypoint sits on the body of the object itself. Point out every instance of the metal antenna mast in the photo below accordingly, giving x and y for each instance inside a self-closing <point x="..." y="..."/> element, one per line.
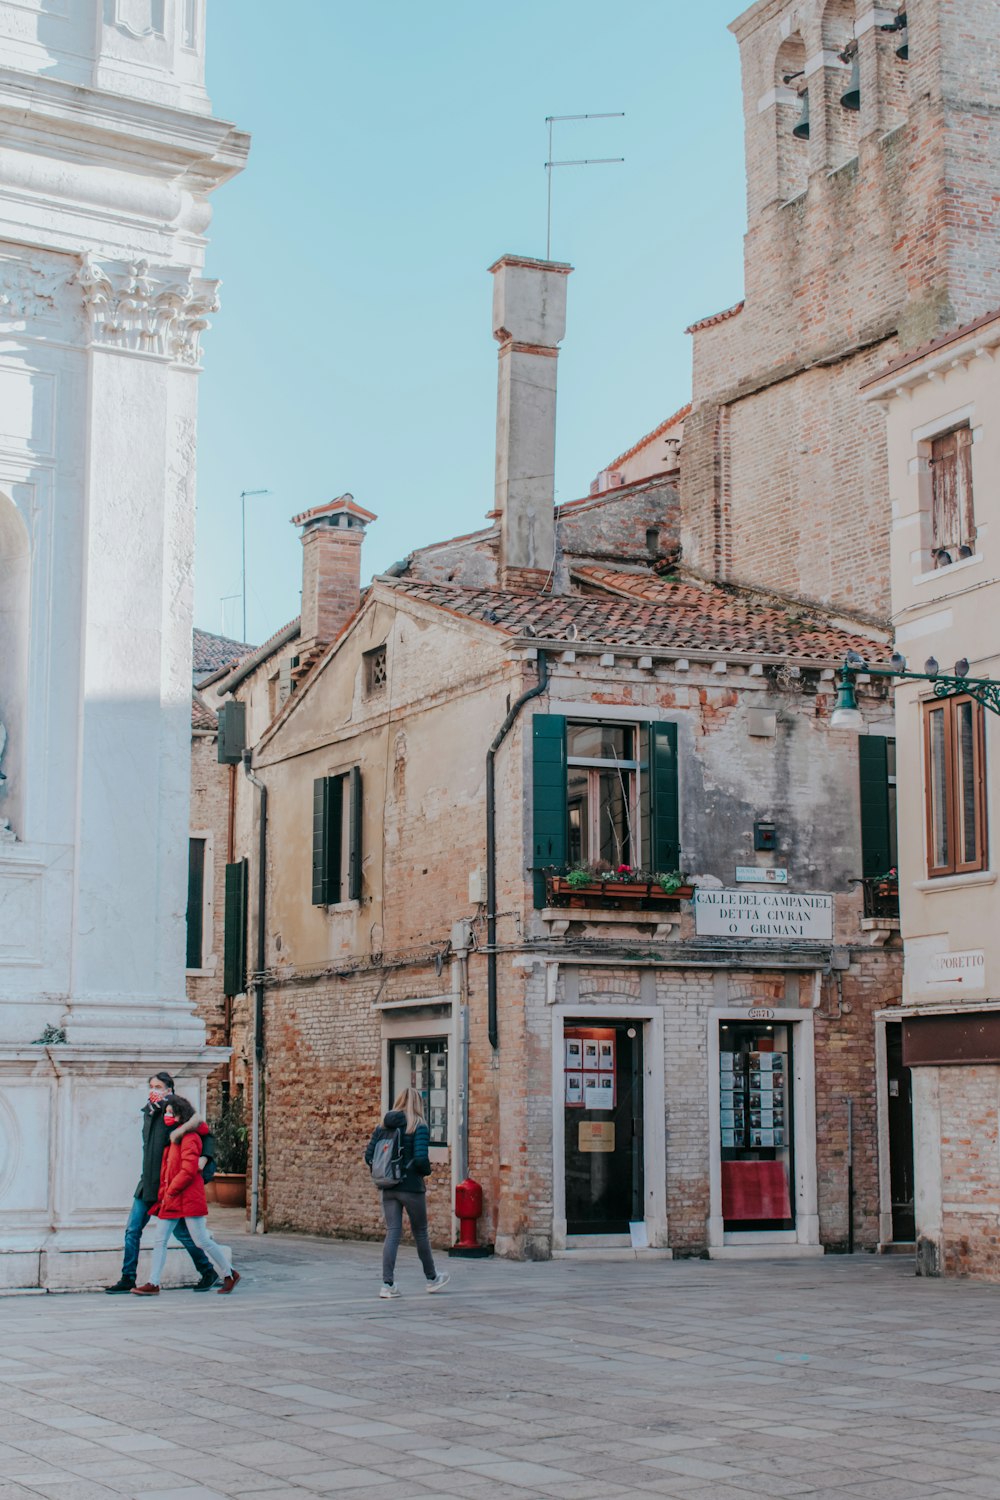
<point x="243" y="574"/>
<point x="589" y="161"/>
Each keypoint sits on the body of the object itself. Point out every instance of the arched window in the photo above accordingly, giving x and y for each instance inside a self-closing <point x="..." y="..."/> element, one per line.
<point x="14" y="604"/>
<point x="792" y="149"/>
<point x="842" y="124"/>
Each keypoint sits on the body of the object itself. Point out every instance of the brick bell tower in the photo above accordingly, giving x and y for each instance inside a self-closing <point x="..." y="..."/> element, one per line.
<point x="873" y="204"/>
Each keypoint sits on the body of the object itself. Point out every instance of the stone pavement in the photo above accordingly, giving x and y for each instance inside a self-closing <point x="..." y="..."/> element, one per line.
<point x="719" y="1381"/>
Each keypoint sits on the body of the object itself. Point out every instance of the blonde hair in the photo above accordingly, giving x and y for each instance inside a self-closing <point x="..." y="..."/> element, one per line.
<point x="410" y="1100"/>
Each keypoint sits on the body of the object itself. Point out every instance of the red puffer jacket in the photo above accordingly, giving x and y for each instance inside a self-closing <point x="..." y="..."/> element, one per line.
<point x="182" y="1190"/>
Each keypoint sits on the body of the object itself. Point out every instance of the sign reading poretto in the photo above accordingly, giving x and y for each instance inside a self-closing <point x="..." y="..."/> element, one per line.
<point x="764" y="914"/>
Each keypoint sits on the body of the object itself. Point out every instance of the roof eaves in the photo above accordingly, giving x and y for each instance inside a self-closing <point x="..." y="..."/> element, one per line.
<point x="719" y="317"/>
<point x="280" y="638"/>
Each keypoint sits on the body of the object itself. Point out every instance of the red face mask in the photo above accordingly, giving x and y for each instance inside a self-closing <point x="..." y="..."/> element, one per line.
<point x="169" y="1118"/>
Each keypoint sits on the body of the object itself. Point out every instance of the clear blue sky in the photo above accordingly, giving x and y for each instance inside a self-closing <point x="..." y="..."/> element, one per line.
<point x="398" y="149"/>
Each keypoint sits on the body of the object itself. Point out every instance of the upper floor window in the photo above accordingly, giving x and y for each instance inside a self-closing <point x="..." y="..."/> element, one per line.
<point x="336" y="847"/>
<point x="603" y="791"/>
<point x="376" y="670"/>
<point x="877" y="766"/>
<point x="196" y="923"/>
<point x="953" y="523"/>
<point x="955" y="786"/>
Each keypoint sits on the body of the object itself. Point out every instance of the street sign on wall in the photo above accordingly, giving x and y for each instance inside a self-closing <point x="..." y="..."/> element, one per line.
<point x="764" y="914"/>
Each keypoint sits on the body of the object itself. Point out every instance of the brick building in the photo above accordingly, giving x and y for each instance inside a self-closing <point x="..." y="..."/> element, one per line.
<point x="533" y="699"/>
<point x="875" y="230"/>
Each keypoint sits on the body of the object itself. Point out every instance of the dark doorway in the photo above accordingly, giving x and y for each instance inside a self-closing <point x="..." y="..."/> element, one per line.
<point x="602" y="1095"/>
<point x="900" y="1136"/>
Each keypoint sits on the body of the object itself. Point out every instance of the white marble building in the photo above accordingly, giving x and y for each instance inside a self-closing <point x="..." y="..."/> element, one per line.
<point x="108" y="152"/>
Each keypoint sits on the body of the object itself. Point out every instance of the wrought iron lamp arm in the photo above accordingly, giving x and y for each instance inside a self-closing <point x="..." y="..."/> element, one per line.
<point x="982" y="689"/>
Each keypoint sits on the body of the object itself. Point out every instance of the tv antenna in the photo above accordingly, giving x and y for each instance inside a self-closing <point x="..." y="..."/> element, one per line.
<point x="587" y="161"/>
<point x="244" y="495"/>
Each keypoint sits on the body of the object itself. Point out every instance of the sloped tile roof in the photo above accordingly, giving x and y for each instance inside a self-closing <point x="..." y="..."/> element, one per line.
<point x="202" y="716"/>
<point x="650" y="437"/>
<point x="642" y="609"/>
<point x="713" y="318"/>
<point x="214" y="651"/>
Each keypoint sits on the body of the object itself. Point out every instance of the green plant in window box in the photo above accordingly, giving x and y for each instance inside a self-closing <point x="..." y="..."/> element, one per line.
<point x="671" y="881"/>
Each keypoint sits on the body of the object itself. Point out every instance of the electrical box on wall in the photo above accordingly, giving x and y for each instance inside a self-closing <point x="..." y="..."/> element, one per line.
<point x="477" y="887"/>
<point x="232" y="732"/>
<point x="765" y="836"/>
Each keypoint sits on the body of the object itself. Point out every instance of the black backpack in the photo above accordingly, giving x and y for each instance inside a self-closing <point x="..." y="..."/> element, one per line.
<point x="387" y="1160"/>
<point x="208" y="1152"/>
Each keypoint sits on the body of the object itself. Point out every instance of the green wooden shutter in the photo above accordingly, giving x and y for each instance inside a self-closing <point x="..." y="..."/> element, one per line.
<point x="328" y="813"/>
<point x="354" y="867"/>
<point x="234" y="967"/>
<point x="664" y="807"/>
<point x="876" y="847"/>
<point x="548" y="738"/>
<point x="196" y="903"/>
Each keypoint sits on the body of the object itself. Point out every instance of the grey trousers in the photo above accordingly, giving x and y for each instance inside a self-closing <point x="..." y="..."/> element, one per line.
<point x="393" y="1203"/>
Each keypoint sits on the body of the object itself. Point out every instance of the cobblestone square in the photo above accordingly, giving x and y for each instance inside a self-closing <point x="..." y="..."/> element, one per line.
<point x="843" y="1377"/>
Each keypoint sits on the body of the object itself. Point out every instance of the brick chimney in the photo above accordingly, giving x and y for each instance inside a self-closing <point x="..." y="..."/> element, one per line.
<point x="529" y="319"/>
<point x="331" y="567"/>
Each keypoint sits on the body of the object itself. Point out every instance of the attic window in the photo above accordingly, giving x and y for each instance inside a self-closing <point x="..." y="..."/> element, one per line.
<point x="376" y="673"/>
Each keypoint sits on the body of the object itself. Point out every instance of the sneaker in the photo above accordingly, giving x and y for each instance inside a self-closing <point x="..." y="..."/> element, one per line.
<point x="208" y="1280"/>
<point x="228" y="1283"/>
<point x="441" y="1279"/>
<point x="126" y="1284"/>
<point x="389" y="1289"/>
<point x="148" y="1290"/>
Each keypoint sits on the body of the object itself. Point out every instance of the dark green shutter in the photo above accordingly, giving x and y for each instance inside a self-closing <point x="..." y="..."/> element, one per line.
<point x="665" y="819"/>
<point x="196" y="903"/>
<point x="876" y="850"/>
<point x="234" y="967"/>
<point x="328" y="813"/>
<point x="548" y="738"/>
<point x="354" y="868"/>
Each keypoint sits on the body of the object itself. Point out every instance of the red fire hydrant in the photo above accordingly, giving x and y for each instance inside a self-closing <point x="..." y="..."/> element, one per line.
<point x="468" y="1207"/>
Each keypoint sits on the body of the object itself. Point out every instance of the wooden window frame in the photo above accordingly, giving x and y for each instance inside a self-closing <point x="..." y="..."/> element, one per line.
<point x="947" y="539"/>
<point x="953" y="865"/>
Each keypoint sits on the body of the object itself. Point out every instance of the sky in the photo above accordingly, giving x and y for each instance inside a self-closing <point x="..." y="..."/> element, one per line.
<point x="398" y="150"/>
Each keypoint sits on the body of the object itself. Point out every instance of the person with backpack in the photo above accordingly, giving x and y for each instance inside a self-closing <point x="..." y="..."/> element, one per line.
<point x="155" y="1138"/>
<point x="182" y="1198"/>
<point x="399" y="1157"/>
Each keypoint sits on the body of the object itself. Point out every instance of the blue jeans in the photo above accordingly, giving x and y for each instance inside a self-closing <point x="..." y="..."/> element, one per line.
<point x="137" y="1221"/>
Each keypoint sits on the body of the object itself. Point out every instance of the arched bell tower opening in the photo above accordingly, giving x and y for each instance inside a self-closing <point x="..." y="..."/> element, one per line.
<point x="15" y="559"/>
<point x="841" y="76"/>
<point x="791" y="117"/>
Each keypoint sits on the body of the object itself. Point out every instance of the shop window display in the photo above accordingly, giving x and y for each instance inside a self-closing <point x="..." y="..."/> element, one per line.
<point x="423" y="1065"/>
<point x="755" y="1083"/>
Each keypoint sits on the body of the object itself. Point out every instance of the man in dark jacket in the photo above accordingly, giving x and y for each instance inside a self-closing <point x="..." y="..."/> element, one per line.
<point x="155" y="1138"/>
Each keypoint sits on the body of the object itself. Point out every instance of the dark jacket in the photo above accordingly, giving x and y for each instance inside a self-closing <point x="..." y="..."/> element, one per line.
<point x="155" y="1139"/>
<point x="416" y="1149"/>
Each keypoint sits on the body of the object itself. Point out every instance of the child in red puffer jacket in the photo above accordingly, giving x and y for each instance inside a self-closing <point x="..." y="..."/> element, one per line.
<point x="182" y="1196"/>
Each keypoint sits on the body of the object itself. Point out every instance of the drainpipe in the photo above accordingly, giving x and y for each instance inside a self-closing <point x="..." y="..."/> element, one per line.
<point x="258" y="992"/>
<point x="491" y="849"/>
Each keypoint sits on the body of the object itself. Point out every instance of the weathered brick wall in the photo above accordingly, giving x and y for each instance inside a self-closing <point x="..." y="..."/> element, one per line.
<point x="969" y="1100"/>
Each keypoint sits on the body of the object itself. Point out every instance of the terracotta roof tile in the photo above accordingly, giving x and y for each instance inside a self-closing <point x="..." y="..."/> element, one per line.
<point x="214" y="651"/>
<point x="713" y="318"/>
<point x="642" y="609"/>
<point x="910" y="356"/>
<point x="202" y="716"/>
<point x="650" y="437"/>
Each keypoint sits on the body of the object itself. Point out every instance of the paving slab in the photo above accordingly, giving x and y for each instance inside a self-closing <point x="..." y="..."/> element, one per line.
<point x="841" y="1379"/>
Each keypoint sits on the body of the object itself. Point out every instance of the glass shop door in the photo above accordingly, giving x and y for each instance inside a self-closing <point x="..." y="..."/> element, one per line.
<point x="755" y="1100"/>
<point x="602" y="1096"/>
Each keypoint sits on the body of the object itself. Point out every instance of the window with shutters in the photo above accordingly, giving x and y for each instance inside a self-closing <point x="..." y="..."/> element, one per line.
<point x="234" y="965"/>
<point x="877" y="767"/>
<point x="336" y="844"/>
<point x="953" y="523"/>
<point x="196" y="916"/>
<point x="954" y="786"/>
<point x="604" y="791"/>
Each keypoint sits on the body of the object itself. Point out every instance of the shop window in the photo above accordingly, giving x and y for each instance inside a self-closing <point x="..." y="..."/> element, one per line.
<point x="196" y="903"/>
<point x="423" y="1065"/>
<point x="953" y="525"/>
<point x="336" y="853"/>
<point x="604" y="792"/>
<point x="755" y="1101"/>
<point x="877" y="767"/>
<point x="954" y="754"/>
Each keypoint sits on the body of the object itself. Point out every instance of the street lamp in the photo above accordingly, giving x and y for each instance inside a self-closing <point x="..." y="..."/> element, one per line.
<point x="847" y="715"/>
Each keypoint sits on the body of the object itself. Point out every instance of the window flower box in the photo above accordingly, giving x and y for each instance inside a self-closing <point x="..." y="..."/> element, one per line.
<point x="595" y="893"/>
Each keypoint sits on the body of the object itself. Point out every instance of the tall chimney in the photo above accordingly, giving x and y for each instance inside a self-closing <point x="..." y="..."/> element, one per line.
<point x="331" y="567"/>
<point x="529" y="319"/>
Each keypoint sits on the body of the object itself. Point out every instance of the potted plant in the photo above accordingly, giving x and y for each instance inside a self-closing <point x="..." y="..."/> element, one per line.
<point x="601" y="884"/>
<point x="228" y="1187"/>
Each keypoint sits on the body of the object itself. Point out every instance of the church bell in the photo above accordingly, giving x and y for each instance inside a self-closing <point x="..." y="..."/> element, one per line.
<point x="801" y="129"/>
<point x="903" y="45"/>
<point x="851" y="97"/>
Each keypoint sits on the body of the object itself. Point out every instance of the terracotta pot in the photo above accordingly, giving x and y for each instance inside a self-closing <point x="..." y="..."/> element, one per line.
<point x="227" y="1189"/>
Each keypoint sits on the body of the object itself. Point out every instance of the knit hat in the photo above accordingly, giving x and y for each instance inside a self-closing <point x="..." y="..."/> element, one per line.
<point x="165" y="1078"/>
